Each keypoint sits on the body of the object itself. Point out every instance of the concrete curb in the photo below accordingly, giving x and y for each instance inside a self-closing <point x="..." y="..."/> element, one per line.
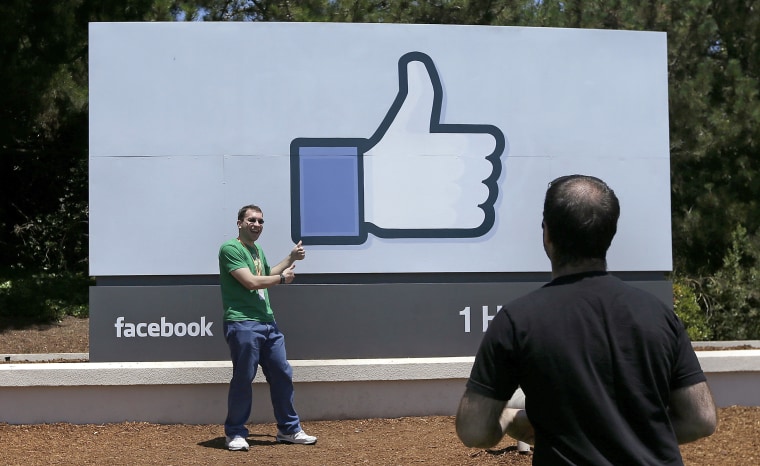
<point x="219" y="372"/>
<point x="194" y="392"/>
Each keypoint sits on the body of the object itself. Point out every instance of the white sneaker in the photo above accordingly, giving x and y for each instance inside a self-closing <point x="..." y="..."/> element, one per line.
<point x="235" y="443"/>
<point x="300" y="437"/>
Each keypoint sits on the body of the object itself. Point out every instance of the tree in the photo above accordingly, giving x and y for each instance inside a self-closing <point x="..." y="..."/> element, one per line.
<point x="43" y="122"/>
<point x="715" y="128"/>
<point x="43" y="127"/>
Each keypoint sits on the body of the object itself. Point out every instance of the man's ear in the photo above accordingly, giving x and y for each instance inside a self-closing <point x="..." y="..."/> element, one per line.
<point x="545" y="231"/>
<point x="548" y="246"/>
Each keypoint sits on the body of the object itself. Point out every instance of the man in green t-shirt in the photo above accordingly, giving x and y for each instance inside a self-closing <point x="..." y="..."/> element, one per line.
<point x="251" y="331"/>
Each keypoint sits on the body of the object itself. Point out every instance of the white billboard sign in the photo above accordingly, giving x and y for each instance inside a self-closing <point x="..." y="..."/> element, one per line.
<point x="384" y="148"/>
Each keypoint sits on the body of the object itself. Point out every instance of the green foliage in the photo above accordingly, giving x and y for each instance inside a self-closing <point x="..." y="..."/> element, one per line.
<point x="688" y="310"/>
<point x="43" y="298"/>
<point x="714" y="72"/>
<point x="43" y="151"/>
<point x="43" y="122"/>
<point x="44" y="127"/>
<point x="56" y="242"/>
<point x="732" y="294"/>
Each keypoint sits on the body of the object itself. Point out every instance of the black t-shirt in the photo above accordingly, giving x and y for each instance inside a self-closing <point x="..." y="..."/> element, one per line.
<point x="597" y="360"/>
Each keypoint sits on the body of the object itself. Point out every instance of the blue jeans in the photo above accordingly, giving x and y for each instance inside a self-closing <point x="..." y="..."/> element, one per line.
<point x="252" y="344"/>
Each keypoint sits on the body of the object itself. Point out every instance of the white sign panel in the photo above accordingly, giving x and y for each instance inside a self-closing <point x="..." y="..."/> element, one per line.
<point x="384" y="148"/>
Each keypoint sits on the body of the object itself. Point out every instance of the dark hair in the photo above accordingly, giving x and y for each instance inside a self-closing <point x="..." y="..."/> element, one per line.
<point x="246" y="208"/>
<point x="581" y="214"/>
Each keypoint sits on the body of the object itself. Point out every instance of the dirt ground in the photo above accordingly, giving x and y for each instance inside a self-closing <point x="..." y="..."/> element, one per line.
<point x="403" y="441"/>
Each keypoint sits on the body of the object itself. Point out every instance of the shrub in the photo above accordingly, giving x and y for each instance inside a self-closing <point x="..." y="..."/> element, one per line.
<point x="732" y="296"/>
<point x="687" y="309"/>
<point x="43" y="298"/>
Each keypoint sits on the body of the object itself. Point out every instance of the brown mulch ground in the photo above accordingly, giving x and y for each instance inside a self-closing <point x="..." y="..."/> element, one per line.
<point x="404" y="441"/>
<point x="71" y="335"/>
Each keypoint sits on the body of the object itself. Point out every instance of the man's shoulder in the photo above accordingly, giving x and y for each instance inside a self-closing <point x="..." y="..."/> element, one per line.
<point x="571" y="286"/>
<point x="604" y="287"/>
<point x="616" y="286"/>
<point x="231" y="250"/>
<point x="230" y="243"/>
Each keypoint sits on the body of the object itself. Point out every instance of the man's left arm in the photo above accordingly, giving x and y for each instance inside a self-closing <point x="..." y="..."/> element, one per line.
<point x="692" y="412"/>
<point x="482" y="421"/>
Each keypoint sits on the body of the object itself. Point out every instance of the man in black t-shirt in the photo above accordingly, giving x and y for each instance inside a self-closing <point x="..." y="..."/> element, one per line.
<point x="608" y="371"/>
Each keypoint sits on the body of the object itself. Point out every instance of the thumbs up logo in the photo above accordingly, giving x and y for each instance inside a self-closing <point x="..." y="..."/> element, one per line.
<point x="416" y="177"/>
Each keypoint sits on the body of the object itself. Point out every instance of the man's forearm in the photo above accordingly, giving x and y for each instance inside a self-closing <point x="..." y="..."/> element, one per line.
<point x="280" y="267"/>
<point x="254" y="282"/>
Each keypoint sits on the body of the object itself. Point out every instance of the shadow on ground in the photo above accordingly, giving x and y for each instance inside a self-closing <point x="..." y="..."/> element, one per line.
<point x="254" y="440"/>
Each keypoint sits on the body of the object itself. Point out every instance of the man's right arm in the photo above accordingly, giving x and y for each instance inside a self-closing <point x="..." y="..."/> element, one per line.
<point x="478" y="420"/>
<point x="231" y="261"/>
<point x="692" y="412"/>
<point x="482" y="421"/>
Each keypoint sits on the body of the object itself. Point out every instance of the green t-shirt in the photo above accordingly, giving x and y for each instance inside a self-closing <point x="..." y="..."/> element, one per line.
<point x="240" y="303"/>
